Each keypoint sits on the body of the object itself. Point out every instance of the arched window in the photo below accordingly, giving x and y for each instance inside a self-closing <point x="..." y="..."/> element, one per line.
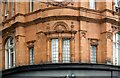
<point x="116" y="49"/>
<point x="9" y="53"/>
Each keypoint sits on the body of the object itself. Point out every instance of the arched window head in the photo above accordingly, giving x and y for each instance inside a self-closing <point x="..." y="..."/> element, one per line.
<point x="60" y="26"/>
<point x="9" y="53"/>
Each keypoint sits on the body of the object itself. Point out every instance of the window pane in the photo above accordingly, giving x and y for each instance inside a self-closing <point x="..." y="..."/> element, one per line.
<point x="31" y="5"/>
<point x="93" y="54"/>
<point x="92" y="4"/>
<point x="66" y="51"/>
<point x="6" y="7"/>
<point x="7" y="55"/>
<point x="116" y="3"/>
<point x="54" y="50"/>
<point x="12" y="59"/>
<point x="31" y="55"/>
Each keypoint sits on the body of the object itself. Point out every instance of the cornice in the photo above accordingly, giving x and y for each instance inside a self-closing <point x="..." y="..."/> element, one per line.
<point x="67" y="7"/>
<point x="12" y="18"/>
<point x="12" y="27"/>
<point x="54" y="18"/>
<point x="73" y="8"/>
<point x="67" y="17"/>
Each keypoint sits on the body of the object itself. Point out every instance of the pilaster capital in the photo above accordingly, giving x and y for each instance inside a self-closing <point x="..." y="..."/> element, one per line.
<point x="17" y="37"/>
<point x="83" y="33"/>
<point x="109" y="35"/>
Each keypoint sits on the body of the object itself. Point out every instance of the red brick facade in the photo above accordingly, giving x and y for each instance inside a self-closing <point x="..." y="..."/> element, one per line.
<point x="83" y="26"/>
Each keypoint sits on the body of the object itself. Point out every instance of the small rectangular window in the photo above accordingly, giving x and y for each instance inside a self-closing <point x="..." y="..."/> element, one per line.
<point x="31" y="55"/>
<point x="92" y="4"/>
<point x="93" y="50"/>
<point x="31" y="5"/>
<point x="6" y="7"/>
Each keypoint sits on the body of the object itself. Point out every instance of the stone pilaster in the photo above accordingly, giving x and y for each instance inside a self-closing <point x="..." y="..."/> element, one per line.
<point x="106" y="44"/>
<point x="83" y="47"/>
<point x="20" y="47"/>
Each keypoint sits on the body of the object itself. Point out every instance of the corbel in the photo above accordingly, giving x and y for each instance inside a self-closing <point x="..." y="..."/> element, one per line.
<point x="30" y="43"/>
<point x="94" y="41"/>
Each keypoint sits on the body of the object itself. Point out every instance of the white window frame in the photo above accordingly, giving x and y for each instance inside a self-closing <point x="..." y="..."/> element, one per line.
<point x="31" y="5"/>
<point x="6" y="7"/>
<point x="92" y="4"/>
<point x="116" y="49"/>
<point x="93" y="57"/>
<point x="8" y="52"/>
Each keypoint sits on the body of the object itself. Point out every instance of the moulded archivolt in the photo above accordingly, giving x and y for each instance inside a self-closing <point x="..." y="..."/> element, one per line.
<point x="60" y="26"/>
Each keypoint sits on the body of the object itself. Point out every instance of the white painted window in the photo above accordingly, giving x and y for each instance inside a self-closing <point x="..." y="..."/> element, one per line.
<point x="6" y="7"/>
<point x="9" y="53"/>
<point x="31" y="5"/>
<point x="66" y="51"/>
<point x="93" y="50"/>
<point x="31" y="55"/>
<point x="54" y="50"/>
<point x="116" y="3"/>
<point x="116" y="49"/>
<point x="92" y="4"/>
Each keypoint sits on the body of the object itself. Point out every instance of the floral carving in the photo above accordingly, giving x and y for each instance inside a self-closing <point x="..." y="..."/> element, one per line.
<point x="83" y="33"/>
<point x="109" y="35"/>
